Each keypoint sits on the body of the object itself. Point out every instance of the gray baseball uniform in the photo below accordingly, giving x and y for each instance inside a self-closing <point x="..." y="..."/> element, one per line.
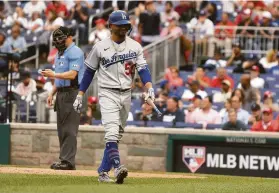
<point x="116" y="64"/>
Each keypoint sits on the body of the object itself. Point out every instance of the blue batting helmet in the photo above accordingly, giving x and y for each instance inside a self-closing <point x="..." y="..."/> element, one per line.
<point x="119" y="18"/>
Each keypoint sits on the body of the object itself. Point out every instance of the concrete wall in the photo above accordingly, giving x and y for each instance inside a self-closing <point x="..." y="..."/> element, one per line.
<point x="140" y="149"/>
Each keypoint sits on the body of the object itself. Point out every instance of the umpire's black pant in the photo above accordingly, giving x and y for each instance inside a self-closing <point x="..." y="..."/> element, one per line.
<point x="67" y="124"/>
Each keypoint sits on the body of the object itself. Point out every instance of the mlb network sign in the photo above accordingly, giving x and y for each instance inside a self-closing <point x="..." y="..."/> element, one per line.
<point x="195" y="157"/>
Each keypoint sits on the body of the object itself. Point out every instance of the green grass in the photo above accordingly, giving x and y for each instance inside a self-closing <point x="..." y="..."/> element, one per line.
<point x="73" y="184"/>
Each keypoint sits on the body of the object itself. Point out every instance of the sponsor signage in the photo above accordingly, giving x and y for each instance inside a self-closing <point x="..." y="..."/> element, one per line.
<point x="241" y="157"/>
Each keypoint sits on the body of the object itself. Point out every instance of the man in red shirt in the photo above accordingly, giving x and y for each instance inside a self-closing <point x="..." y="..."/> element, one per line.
<point x="59" y="8"/>
<point x="267" y="124"/>
<point x="221" y="76"/>
<point x="200" y="76"/>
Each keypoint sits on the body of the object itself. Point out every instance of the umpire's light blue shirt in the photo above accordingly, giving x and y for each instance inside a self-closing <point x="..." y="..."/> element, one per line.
<point x="72" y="59"/>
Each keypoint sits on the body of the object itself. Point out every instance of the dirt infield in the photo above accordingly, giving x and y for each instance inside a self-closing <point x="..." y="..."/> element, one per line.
<point x="22" y="170"/>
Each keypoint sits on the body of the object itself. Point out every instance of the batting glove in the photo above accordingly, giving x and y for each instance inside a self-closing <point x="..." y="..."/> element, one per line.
<point x="78" y="103"/>
<point x="150" y="94"/>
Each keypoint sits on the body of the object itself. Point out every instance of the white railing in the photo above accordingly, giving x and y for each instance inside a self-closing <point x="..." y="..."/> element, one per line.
<point x="162" y="54"/>
<point x="253" y="43"/>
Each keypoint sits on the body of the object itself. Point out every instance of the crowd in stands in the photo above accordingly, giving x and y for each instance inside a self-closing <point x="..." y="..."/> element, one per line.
<point x="230" y="88"/>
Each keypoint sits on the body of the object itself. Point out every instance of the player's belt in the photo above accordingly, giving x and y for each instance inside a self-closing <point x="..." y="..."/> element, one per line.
<point x="117" y="89"/>
<point x="67" y="88"/>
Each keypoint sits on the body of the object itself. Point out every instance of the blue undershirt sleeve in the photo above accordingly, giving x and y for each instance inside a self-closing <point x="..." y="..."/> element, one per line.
<point x="87" y="79"/>
<point x="145" y="75"/>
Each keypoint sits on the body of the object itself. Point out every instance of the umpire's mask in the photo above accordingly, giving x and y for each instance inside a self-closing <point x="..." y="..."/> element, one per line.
<point x="59" y="37"/>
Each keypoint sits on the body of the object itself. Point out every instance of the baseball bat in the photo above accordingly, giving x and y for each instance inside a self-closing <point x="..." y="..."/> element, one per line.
<point x="151" y="103"/>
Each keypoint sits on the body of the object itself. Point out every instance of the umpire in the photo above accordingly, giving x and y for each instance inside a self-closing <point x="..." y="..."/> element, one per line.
<point x="69" y="69"/>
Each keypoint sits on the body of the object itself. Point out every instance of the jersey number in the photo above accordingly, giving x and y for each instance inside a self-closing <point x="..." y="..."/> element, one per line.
<point x="129" y="69"/>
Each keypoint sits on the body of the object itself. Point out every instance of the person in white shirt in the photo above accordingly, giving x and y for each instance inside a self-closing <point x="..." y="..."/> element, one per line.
<point x="256" y="81"/>
<point x="206" y="115"/>
<point x="27" y="86"/>
<point x="100" y="33"/>
<point x="169" y="13"/>
<point x="225" y="93"/>
<point x="203" y="27"/>
<point x="203" y="30"/>
<point x="17" y="18"/>
<point x="189" y="94"/>
<point x="34" y="6"/>
<point x="36" y="24"/>
<point x="215" y="62"/>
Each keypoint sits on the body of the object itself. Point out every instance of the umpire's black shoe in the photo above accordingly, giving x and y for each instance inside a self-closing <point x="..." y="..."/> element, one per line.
<point x="54" y="163"/>
<point x="63" y="165"/>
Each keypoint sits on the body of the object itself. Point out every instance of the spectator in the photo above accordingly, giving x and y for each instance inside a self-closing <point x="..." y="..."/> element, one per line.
<point x="147" y="114"/>
<point x="172" y="29"/>
<point x="270" y="60"/>
<point x="173" y="113"/>
<point x="189" y="94"/>
<point x="225" y="110"/>
<point x="40" y="83"/>
<point x="256" y="81"/>
<point x="221" y="76"/>
<point x="92" y="103"/>
<point x="100" y="33"/>
<point x="252" y="60"/>
<point x="193" y="107"/>
<point x="233" y="124"/>
<point x="242" y="114"/>
<point x="169" y="13"/>
<point x="268" y="101"/>
<point x="4" y="45"/>
<point x="266" y="22"/>
<point x="17" y="42"/>
<point x="267" y="124"/>
<point x="134" y="32"/>
<point x="58" y="8"/>
<point x="251" y="94"/>
<point x="183" y="8"/>
<point x="172" y="76"/>
<point x="256" y="114"/>
<point x="79" y="14"/>
<point x="162" y="101"/>
<point x="164" y="87"/>
<point x="17" y="18"/>
<point x="206" y="115"/>
<point x="36" y="24"/>
<point x="51" y="56"/>
<point x="239" y="92"/>
<point x="215" y="62"/>
<point x="225" y="93"/>
<point x="275" y="69"/>
<point x="149" y="24"/>
<point x="203" y="29"/>
<point x="27" y="85"/>
<point x="137" y="89"/>
<point x="200" y="76"/>
<point x="34" y="6"/>
<point x="246" y="22"/>
<point x="236" y="59"/>
<point x="52" y="23"/>
<point x="224" y="32"/>
<point x="5" y="10"/>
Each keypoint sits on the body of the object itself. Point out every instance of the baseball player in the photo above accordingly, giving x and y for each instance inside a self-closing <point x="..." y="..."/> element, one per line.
<point x="116" y="59"/>
<point x="69" y="69"/>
